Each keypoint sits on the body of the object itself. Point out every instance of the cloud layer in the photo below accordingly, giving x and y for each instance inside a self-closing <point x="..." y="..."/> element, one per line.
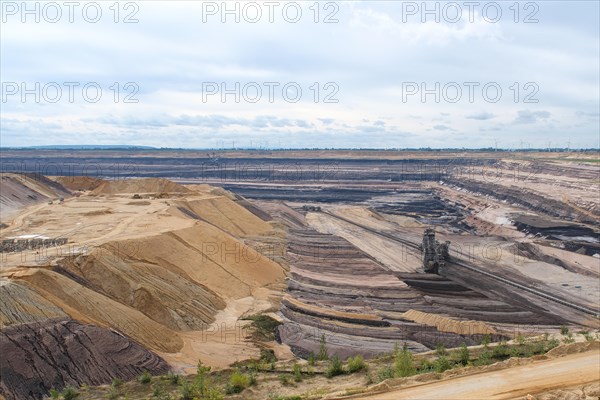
<point x="383" y="75"/>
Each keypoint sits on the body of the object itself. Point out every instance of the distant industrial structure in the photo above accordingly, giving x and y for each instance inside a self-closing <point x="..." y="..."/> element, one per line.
<point x="435" y="253"/>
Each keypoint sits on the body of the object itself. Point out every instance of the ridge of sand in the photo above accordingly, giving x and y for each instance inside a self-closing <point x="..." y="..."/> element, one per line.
<point x="445" y="324"/>
<point x="144" y="185"/>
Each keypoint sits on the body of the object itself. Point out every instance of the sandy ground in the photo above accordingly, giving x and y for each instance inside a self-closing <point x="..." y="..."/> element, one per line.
<point x="540" y="376"/>
<point x="147" y="261"/>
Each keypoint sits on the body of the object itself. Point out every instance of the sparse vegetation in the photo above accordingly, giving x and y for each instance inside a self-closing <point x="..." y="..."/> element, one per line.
<point x="442" y="364"/>
<point x="116" y="382"/>
<point x="564" y="330"/>
<point x="263" y="327"/>
<point x="440" y="350"/>
<point x="335" y="367"/>
<point x="297" y="370"/>
<point x="464" y="356"/>
<point x="323" y="352"/>
<point x="173" y="378"/>
<point x="404" y="364"/>
<point x="284" y="379"/>
<point x="208" y="385"/>
<point x="238" y="382"/>
<point x="69" y="393"/>
<point x="145" y="378"/>
<point x="356" y="364"/>
<point x="384" y="373"/>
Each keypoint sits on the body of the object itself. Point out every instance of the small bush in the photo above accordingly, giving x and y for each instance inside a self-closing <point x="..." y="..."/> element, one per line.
<point x="356" y="364"/>
<point x="463" y="354"/>
<point x="442" y="364"/>
<point x="384" y="373"/>
<point x="284" y="379"/>
<point x="484" y="358"/>
<point x="55" y="394"/>
<point x="69" y="393"/>
<point x="485" y="341"/>
<point x="564" y="330"/>
<point x="116" y="382"/>
<point x="501" y="351"/>
<point x="426" y="366"/>
<point x="569" y="338"/>
<point x="113" y="393"/>
<point x="267" y="355"/>
<point x="174" y="378"/>
<point x="404" y="364"/>
<point x="297" y="369"/>
<point x="335" y="367"/>
<point x="187" y="390"/>
<point x="145" y="378"/>
<point x="440" y="350"/>
<point x="263" y="327"/>
<point x="238" y="382"/>
<point x="323" y="353"/>
<point x="311" y="359"/>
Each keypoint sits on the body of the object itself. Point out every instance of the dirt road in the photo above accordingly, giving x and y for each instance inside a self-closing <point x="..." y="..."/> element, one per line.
<point x="510" y="383"/>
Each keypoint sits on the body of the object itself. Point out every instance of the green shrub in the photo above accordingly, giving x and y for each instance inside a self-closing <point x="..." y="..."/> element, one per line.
<point x="145" y="378"/>
<point x="311" y="359"/>
<point x="426" y="366"/>
<point x="485" y="341"/>
<point x="442" y="364"/>
<point x="69" y="393"/>
<point x="113" y="393"/>
<point x="263" y="327"/>
<point x="404" y="363"/>
<point x="267" y="355"/>
<point x="569" y="338"/>
<point x="564" y="330"/>
<point x="55" y="394"/>
<point x="174" y="378"/>
<point x="116" y="382"/>
<point x="238" y="382"/>
<point x="284" y="379"/>
<point x="440" y="350"/>
<point x="356" y="364"/>
<point x="384" y="373"/>
<point x="463" y="354"/>
<point x="323" y="353"/>
<point x="187" y="390"/>
<point x="335" y="367"/>
<point x="297" y="369"/>
<point x="485" y="358"/>
<point x="501" y="351"/>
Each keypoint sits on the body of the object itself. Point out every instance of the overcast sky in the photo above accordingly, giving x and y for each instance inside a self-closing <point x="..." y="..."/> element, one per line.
<point x="488" y="80"/>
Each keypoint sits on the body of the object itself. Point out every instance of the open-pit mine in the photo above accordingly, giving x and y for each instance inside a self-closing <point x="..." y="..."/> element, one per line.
<point x="263" y="264"/>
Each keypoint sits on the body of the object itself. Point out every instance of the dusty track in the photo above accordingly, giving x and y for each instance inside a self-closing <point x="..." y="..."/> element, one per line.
<point x="541" y="376"/>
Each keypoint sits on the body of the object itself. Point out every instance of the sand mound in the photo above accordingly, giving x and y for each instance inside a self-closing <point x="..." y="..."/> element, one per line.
<point x="166" y="297"/>
<point x="20" y="304"/>
<point x="79" y="182"/>
<point x="211" y="257"/>
<point x="445" y="324"/>
<point x="20" y="190"/>
<point x="146" y="185"/>
<point x="53" y="354"/>
<point x="225" y="214"/>
<point x="88" y="306"/>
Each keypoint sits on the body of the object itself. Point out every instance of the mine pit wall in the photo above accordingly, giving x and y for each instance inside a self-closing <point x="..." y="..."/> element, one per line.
<point x="529" y="200"/>
<point x="555" y="313"/>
